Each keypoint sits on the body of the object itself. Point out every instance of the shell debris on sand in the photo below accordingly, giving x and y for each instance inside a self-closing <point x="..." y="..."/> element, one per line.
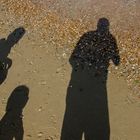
<point x="65" y="32"/>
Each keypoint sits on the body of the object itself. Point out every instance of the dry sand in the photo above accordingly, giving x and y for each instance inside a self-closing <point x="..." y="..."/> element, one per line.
<point x="40" y="60"/>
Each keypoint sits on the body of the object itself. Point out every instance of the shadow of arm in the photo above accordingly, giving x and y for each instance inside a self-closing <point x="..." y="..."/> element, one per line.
<point x="115" y="53"/>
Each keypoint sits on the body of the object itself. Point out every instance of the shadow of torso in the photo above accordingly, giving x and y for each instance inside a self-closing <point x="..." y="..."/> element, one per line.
<point x="86" y="101"/>
<point x="5" y="61"/>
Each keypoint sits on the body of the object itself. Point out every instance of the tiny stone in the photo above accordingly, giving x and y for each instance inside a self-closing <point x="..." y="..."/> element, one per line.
<point x="31" y="63"/>
<point x="64" y="55"/>
<point x="40" y="109"/>
<point x="116" y="68"/>
<point x="40" y="134"/>
<point x="43" y="83"/>
<point x="29" y="135"/>
<point x="3" y="101"/>
<point x="58" y="70"/>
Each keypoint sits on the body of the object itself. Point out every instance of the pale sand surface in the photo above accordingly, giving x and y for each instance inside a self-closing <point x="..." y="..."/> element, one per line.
<point x="46" y="71"/>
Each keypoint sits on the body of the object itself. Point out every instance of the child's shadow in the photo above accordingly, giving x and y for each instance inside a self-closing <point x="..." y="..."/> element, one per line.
<point x="11" y="125"/>
<point x="5" y="48"/>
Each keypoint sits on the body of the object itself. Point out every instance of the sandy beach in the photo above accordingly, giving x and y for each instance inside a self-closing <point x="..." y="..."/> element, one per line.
<point x="38" y="77"/>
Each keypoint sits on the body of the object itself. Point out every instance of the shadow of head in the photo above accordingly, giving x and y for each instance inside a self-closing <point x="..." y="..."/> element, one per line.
<point x="16" y="35"/>
<point x="18" y="98"/>
<point x="103" y="25"/>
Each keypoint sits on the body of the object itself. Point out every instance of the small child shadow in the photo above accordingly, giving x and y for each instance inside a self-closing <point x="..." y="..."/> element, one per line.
<point x="5" y="48"/>
<point x="11" y="125"/>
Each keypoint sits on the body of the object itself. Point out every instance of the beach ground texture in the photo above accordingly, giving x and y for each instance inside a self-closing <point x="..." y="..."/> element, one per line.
<point x="40" y="60"/>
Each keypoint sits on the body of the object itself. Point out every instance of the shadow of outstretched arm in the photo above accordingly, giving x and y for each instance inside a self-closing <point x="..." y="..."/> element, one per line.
<point x="5" y="48"/>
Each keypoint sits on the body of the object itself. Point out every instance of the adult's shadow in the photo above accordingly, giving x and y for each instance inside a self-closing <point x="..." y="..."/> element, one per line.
<point x="11" y="125"/>
<point x="5" y="48"/>
<point x="86" y="101"/>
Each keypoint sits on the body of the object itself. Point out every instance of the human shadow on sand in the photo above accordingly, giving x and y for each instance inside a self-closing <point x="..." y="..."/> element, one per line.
<point x="86" y="111"/>
<point x="5" y="48"/>
<point x="11" y="125"/>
